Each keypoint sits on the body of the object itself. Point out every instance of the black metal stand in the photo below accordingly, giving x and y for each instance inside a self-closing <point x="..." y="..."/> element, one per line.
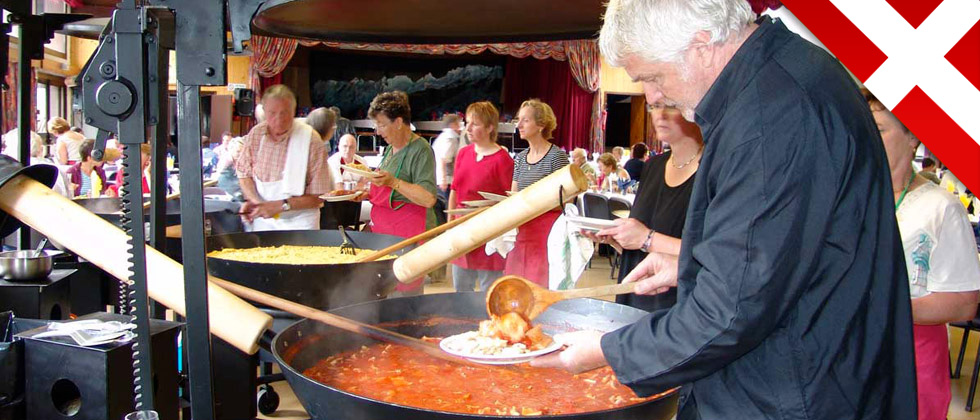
<point x="192" y="242"/>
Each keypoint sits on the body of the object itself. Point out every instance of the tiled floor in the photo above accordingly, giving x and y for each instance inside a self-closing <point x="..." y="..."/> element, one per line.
<point x="598" y="275"/>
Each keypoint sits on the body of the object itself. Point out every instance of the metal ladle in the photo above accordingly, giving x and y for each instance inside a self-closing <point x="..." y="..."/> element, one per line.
<point x="40" y="247"/>
<point x="515" y="294"/>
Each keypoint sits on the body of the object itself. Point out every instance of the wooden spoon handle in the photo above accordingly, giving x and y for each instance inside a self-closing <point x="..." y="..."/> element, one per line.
<point x="420" y="237"/>
<point x="343" y="323"/>
<point x="208" y="183"/>
<point x="615" y="289"/>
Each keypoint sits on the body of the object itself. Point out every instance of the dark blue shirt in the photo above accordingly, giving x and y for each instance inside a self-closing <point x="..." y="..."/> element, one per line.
<point x="793" y="300"/>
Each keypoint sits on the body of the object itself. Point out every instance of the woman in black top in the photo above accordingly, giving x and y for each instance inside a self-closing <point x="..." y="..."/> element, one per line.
<point x="660" y="208"/>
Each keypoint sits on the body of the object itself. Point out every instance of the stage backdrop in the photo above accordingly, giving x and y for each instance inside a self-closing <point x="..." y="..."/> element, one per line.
<point x="435" y="84"/>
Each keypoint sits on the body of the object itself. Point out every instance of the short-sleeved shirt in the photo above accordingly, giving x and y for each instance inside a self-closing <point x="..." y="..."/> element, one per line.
<point x="268" y="165"/>
<point x="940" y="249"/>
<point x="493" y="174"/>
<point x="414" y="164"/>
<point x="445" y="147"/>
<point x="526" y="173"/>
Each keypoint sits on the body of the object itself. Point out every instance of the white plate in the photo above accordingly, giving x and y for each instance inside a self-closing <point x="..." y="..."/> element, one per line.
<point x="492" y="196"/>
<point x="462" y="210"/>
<point x="589" y="223"/>
<point x="479" y="203"/>
<point x="360" y="172"/>
<point x="336" y="198"/>
<point x="501" y="360"/>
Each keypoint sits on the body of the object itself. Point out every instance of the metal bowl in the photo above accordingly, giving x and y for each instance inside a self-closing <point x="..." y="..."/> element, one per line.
<point x="22" y="266"/>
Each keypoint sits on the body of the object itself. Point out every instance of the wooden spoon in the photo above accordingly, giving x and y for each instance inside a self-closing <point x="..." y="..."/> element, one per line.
<point x="515" y="294"/>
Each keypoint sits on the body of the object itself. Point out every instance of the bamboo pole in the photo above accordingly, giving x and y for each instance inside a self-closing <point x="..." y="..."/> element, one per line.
<point x="512" y="212"/>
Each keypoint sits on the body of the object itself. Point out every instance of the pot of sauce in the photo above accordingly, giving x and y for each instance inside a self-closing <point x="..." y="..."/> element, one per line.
<point x="300" y="347"/>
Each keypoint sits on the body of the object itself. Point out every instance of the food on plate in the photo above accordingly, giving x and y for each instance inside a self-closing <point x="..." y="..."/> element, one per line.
<point x="289" y="254"/>
<point x="359" y="166"/>
<point x="401" y="375"/>
<point x="507" y="335"/>
<point x="338" y="193"/>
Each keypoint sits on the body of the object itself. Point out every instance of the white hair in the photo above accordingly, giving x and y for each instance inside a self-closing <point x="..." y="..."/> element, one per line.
<point x="661" y="30"/>
<point x="347" y="136"/>
<point x="578" y="151"/>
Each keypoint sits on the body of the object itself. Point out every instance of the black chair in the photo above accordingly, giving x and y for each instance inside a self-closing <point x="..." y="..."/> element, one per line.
<point x="596" y="206"/>
<point x="617" y="204"/>
<point x="968" y="326"/>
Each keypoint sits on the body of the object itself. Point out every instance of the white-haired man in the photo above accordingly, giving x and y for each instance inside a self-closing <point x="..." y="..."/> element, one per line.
<point x="792" y="295"/>
<point x="579" y="159"/>
<point x="282" y="169"/>
<point x="346" y="154"/>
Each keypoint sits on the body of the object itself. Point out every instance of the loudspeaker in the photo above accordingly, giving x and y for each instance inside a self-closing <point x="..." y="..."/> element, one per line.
<point x="244" y="102"/>
<point x="65" y="380"/>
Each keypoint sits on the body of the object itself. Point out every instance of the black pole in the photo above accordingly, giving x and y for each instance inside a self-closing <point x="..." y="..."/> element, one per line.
<point x="24" y="115"/>
<point x="192" y="238"/>
<point x="159" y="57"/>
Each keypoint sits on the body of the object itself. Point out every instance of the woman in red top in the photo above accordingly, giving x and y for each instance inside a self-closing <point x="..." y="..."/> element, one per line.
<point x="481" y="166"/>
<point x="145" y="153"/>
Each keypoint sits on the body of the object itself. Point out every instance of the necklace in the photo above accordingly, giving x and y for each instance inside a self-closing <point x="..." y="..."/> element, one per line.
<point x="905" y="190"/>
<point x="681" y="166"/>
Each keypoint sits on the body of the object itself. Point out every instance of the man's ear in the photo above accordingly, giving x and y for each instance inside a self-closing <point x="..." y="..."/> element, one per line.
<point x="701" y="50"/>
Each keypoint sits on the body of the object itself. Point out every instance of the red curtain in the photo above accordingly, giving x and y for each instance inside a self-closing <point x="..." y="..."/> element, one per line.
<point x="552" y="82"/>
<point x="269" y="57"/>
<point x="10" y="98"/>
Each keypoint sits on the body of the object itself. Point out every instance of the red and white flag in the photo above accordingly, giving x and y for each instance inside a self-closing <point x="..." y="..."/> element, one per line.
<point x="921" y="58"/>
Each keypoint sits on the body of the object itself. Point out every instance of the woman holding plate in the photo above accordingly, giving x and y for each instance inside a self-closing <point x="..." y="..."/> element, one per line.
<point x="404" y="190"/>
<point x="660" y="208"/>
<point x="484" y="166"/>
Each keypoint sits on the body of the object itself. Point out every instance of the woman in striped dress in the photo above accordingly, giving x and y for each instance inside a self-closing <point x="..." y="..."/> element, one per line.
<point x="536" y="122"/>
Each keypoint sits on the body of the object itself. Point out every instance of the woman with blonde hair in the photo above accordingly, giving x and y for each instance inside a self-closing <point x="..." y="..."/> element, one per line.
<point x="67" y="143"/>
<point x="535" y="122"/>
<point x="483" y="165"/>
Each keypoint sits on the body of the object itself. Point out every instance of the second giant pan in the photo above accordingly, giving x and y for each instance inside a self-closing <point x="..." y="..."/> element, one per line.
<point x="301" y="345"/>
<point x="320" y="286"/>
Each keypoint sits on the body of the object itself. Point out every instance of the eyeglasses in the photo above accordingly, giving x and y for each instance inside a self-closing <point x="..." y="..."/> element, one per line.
<point x="659" y="107"/>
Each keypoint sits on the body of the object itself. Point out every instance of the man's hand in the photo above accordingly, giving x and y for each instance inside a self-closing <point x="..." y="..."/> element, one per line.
<point x="583" y="353"/>
<point x="628" y="233"/>
<point x="251" y="210"/>
<point x="657" y="273"/>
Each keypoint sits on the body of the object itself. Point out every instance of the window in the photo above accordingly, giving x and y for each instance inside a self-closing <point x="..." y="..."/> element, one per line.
<point x="42" y="107"/>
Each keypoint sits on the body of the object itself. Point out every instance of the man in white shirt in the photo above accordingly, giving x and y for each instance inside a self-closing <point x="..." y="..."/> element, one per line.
<point x="445" y="147"/>
<point x="346" y="154"/>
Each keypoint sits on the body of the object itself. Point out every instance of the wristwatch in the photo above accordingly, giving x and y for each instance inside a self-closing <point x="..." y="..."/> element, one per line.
<point x="285" y="205"/>
<point x="646" y="243"/>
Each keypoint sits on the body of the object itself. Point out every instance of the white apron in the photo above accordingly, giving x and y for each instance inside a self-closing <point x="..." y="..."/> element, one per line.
<point x="293" y="183"/>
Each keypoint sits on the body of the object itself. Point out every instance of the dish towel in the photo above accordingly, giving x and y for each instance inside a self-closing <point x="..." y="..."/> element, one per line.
<point x="568" y="254"/>
<point x="502" y="244"/>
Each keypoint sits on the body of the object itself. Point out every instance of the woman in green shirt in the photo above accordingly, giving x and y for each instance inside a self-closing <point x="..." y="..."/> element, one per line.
<point x="403" y="194"/>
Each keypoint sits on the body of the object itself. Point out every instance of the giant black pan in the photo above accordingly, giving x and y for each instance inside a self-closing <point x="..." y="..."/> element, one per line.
<point x="223" y="215"/>
<point x="301" y="345"/>
<point x="321" y="286"/>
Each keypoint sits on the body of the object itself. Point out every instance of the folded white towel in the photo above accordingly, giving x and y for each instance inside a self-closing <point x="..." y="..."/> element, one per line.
<point x="502" y="244"/>
<point x="568" y="254"/>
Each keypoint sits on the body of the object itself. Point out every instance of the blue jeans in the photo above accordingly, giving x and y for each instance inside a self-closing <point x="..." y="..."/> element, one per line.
<point x="465" y="279"/>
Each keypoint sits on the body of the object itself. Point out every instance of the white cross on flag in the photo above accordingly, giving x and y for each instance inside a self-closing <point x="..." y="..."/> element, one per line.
<point x="921" y="58"/>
